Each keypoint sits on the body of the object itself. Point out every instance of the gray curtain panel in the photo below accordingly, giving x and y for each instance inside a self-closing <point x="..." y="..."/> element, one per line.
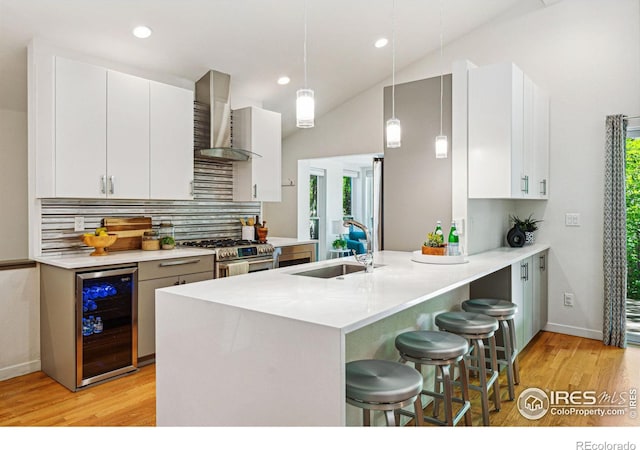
<point x="615" y="234"/>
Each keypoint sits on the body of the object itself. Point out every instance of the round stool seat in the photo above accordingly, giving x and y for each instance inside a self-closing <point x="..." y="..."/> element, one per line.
<point x="466" y="322"/>
<point x="377" y="381"/>
<point x="431" y="344"/>
<point x="490" y="306"/>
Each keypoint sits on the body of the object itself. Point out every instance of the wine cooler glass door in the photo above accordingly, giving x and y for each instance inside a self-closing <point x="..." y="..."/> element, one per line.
<point x="106" y="324"/>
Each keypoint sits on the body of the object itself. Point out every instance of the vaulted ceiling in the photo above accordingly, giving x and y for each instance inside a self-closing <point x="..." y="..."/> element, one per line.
<point x="255" y="41"/>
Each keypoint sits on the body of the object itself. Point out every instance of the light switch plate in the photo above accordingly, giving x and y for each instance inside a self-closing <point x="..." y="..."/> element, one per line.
<point x="78" y="224"/>
<point x="572" y="219"/>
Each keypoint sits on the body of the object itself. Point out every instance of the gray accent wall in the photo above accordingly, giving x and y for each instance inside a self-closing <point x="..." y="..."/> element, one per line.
<point x="212" y="214"/>
<point x="416" y="186"/>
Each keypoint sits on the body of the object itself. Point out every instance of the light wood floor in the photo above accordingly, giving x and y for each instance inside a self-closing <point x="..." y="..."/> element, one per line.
<point x="552" y="361"/>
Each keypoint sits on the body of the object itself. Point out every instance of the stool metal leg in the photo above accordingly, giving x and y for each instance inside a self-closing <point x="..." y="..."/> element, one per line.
<point x="390" y="417"/>
<point x="482" y="368"/>
<point x="496" y="372"/>
<point x="514" y="356"/>
<point x="447" y="388"/>
<point x="464" y="381"/>
<point x="366" y="417"/>
<point x="508" y="356"/>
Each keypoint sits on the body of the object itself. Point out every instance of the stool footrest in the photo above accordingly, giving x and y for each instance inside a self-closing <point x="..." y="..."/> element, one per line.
<point x="466" y="406"/>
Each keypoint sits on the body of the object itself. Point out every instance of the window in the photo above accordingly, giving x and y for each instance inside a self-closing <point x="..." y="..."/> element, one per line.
<point x="633" y="233"/>
<point x="347" y="197"/>
<point x="313" y="207"/>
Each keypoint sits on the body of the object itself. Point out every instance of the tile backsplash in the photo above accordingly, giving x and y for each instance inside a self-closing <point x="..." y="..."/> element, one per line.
<point x="212" y="213"/>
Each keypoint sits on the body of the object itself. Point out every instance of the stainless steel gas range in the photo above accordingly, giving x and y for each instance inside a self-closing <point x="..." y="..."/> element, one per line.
<point x="230" y="253"/>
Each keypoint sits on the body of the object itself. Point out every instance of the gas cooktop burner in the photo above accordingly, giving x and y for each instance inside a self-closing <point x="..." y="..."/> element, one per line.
<point x="220" y="243"/>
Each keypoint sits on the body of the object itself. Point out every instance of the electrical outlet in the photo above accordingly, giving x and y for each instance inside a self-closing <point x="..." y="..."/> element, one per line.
<point x="78" y="224"/>
<point x="572" y="219"/>
<point x="568" y="299"/>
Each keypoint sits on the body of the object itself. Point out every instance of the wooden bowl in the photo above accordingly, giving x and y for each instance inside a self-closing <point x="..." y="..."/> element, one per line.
<point x="99" y="243"/>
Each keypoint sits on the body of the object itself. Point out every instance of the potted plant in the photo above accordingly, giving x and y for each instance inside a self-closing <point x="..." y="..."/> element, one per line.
<point x="528" y="226"/>
<point x="340" y="244"/>
<point x="168" y="243"/>
<point x="434" y="245"/>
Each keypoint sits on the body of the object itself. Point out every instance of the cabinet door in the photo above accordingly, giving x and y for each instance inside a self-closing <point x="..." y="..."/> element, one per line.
<point x="518" y="297"/>
<point x="540" y="143"/>
<point x="80" y="129"/>
<point x="171" y="142"/>
<point x="540" y="292"/>
<point x="528" y="301"/>
<point x="495" y="128"/>
<point x="529" y="187"/>
<point x="127" y="136"/>
<point x="259" y="131"/>
<point x="267" y="142"/>
<point x="195" y="277"/>
<point x="147" y="313"/>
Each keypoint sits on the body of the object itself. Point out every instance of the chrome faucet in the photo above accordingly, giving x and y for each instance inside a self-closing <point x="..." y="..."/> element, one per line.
<point x="367" y="258"/>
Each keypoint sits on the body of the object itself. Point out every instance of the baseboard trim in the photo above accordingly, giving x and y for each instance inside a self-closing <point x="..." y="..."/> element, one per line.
<point x="19" y="369"/>
<point x="573" y="331"/>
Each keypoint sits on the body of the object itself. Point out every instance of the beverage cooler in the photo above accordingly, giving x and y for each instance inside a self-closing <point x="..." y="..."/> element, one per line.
<point x="88" y="323"/>
<point x="106" y="343"/>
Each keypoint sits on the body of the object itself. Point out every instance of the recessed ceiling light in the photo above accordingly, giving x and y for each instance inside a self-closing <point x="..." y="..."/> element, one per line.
<point x="142" y="32"/>
<point x="283" y="80"/>
<point x="382" y="42"/>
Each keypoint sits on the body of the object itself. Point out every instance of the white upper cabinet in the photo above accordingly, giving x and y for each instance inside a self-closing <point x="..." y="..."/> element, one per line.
<point x="259" y="131"/>
<point x="113" y="136"/>
<point x="171" y="142"/>
<point x="127" y="136"/>
<point x="508" y="134"/>
<point x="80" y="156"/>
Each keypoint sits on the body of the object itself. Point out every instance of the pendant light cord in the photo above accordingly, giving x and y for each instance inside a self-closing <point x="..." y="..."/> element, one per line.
<point x="305" y="44"/>
<point x="441" y="68"/>
<point x="393" y="60"/>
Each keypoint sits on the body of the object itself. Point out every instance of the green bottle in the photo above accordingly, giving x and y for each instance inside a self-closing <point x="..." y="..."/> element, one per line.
<point x="453" y="246"/>
<point x="438" y="228"/>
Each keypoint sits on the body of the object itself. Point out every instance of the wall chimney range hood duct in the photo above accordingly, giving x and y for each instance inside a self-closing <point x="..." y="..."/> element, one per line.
<point x="213" y="137"/>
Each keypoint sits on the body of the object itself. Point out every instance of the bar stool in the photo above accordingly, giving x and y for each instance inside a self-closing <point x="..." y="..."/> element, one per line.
<point x="443" y="350"/>
<point x="476" y="327"/>
<point x="503" y="311"/>
<point x="383" y="385"/>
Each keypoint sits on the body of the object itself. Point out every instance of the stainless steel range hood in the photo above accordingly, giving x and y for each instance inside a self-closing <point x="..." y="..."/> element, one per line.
<point x="212" y="120"/>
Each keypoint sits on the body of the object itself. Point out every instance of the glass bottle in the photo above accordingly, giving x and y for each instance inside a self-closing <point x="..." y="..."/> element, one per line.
<point x="98" y="326"/>
<point x="438" y="228"/>
<point x="166" y="230"/>
<point x="453" y="246"/>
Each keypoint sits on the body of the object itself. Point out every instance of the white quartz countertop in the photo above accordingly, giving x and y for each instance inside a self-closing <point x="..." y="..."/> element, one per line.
<point x="286" y="242"/>
<point x="121" y="257"/>
<point x="355" y="300"/>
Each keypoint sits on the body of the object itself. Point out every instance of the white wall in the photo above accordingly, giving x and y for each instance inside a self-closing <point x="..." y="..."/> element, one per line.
<point x="586" y="54"/>
<point x="19" y="322"/>
<point x="13" y="184"/>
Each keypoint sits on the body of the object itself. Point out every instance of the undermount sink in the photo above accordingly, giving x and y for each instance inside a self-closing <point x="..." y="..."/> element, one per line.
<point x="333" y="271"/>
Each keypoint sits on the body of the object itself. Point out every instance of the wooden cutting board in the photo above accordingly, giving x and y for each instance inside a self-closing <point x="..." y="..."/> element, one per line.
<point x="129" y="231"/>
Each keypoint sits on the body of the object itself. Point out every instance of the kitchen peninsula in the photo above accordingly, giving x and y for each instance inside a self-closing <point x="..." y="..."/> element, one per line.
<point x="269" y="348"/>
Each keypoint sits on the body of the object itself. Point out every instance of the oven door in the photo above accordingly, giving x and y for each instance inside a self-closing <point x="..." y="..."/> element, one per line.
<point x="255" y="265"/>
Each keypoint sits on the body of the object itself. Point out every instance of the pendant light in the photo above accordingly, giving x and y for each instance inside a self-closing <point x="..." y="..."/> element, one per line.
<point x="394" y="131"/>
<point x="305" y="102"/>
<point x="441" y="139"/>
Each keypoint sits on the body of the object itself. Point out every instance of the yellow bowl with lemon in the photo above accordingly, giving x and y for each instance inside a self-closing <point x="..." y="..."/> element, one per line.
<point x="100" y="242"/>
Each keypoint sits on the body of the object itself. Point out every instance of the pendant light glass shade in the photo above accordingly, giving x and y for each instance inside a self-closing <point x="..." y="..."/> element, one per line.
<point x="305" y="108"/>
<point x="441" y="146"/>
<point x="394" y="133"/>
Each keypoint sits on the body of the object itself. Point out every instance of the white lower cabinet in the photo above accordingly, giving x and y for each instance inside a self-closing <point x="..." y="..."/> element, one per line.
<point x="154" y="275"/>
<point x="525" y="284"/>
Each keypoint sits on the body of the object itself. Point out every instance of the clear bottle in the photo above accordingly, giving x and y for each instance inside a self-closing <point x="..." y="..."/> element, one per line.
<point x="87" y="330"/>
<point x="98" y="326"/>
<point x="453" y="245"/>
<point x="166" y="229"/>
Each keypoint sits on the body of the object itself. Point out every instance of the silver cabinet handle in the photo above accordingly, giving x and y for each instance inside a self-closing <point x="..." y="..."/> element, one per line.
<point x="543" y="263"/>
<point x="543" y="187"/>
<point x="522" y="275"/>
<point x="103" y="184"/>
<point x="112" y="184"/>
<point x="255" y="191"/>
<point x="179" y="263"/>
<point x="525" y="184"/>
<point x="192" y="188"/>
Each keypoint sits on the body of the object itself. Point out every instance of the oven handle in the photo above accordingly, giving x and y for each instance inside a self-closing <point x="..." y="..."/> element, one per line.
<point x="255" y="261"/>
